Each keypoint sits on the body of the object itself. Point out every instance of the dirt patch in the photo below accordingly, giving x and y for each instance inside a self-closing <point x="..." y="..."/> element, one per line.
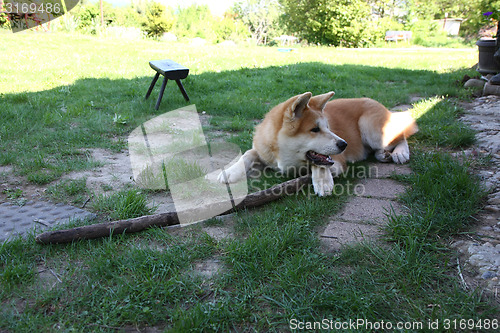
<point x="114" y="174"/>
<point x="17" y="189"/>
<point x="48" y="277"/>
<point x="208" y="267"/>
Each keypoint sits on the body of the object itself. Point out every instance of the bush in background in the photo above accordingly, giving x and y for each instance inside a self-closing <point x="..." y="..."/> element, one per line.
<point x="196" y="21"/>
<point x="261" y="17"/>
<point x="158" y="20"/>
<point x="228" y="29"/>
<point x="128" y="17"/>
<point x="337" y="23"/>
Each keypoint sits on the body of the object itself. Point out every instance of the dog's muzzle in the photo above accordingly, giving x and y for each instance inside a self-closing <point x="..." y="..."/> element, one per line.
<point x="319" y="159"/>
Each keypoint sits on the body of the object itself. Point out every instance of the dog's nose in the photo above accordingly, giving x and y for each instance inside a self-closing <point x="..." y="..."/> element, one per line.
<point x="341" y="145"/>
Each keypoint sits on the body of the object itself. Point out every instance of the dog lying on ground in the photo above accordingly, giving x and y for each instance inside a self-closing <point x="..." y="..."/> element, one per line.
<point x="312" y="133"/>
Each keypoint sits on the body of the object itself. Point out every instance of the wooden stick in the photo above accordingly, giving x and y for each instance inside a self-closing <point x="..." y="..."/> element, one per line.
<point x="165" y="219"/>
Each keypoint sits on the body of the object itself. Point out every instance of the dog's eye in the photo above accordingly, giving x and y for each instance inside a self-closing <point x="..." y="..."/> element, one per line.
<point x="316" y="129"/>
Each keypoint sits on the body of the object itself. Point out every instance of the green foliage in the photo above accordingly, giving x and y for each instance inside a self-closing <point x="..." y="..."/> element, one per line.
<point x="376" y="33"/>
<point x="426" y="30"/>
<point x="125" y="204"/>
<point x="337" y="23"/>
<point x="88" y="17"/>
<point x="262" y="17"/>
<point x="228" y="29"/>
<point x="196" y="21"/>
<point x="475" y="20"/>
<point x="158" y="20"/>
<point x="4" y="22"/>
<point x="127" y="17"/>
<point x="470" y="11"/>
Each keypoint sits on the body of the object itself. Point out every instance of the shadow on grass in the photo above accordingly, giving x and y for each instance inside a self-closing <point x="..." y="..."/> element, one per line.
<point x="44" y="134"/>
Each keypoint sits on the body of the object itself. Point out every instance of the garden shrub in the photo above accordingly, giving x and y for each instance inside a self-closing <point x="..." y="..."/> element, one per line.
<point x="158" y="20"/>
<point x="88" y="16"/>
<point x="336" y="23"/>
<point x="229" y="29"/>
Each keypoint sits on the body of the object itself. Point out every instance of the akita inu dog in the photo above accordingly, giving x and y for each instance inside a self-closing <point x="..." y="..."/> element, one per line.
<point x="309" y="132"/>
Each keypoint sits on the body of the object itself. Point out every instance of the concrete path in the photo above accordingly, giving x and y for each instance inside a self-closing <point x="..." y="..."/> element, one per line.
<point x="365" y="214"/>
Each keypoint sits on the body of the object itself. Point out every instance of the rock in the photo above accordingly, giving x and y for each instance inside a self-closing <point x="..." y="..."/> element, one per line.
<point x="490" y="142"/>
<point x="493" y="209"/>
<point x="490" y="89"/>
<point x="474" y="83"/>
<point x="488" y="275"/>
<point x="495" y="79"/>
<point x="494" y="201"/>
<point x="476" y="259"/>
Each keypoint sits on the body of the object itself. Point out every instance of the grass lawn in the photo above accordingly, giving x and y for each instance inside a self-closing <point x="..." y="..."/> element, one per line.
<point x="63" y="94"/>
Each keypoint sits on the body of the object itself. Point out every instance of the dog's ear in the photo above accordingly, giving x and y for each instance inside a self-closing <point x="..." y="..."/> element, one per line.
<point x="319" y="102"/>
<point x="298" y="105"/>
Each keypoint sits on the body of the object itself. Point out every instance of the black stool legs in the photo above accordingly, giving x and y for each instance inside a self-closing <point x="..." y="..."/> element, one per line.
<point x="152" y="85"/>
<point x="162" y="89"/>
<point x="183" y="91"/>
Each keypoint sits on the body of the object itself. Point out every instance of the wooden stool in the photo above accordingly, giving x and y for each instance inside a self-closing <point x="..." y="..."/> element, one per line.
<point x="170" y="70"/>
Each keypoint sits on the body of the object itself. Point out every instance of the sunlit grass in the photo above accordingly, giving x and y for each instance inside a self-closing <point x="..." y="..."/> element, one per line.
<point x="437" y="120"/>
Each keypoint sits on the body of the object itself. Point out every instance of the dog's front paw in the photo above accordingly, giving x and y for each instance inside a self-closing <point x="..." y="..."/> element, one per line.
<point x="400" y="158"/>
<point x="401" y="154"/>
<point x="232" y="175"/>
<point x="322" y="181"/>
<point x="383" y="155"/>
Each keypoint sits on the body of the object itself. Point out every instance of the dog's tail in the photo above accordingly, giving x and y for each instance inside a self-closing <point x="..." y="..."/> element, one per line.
<point x="399" y="126"/>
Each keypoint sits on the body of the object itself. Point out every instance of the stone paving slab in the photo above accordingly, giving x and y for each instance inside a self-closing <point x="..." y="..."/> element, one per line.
<point x="380" y="188"/>
<point x="386" y="170"/>
<point x="364" y="214"/>
<point x="360" y="209"/>
<point x="19" y="220"/>
<point x="339" y="233"/>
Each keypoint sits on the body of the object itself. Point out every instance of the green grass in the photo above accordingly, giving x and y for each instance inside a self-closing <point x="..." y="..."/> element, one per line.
<point x="438" y="126"/>
<point x="73" y="191"/>
<point x="444" y="196"/>
<point x="62" y="95"/>
<point x="124" y="204"/>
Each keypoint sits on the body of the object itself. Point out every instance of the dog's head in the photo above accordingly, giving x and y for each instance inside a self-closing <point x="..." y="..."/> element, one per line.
<point x="305" y="131"/>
